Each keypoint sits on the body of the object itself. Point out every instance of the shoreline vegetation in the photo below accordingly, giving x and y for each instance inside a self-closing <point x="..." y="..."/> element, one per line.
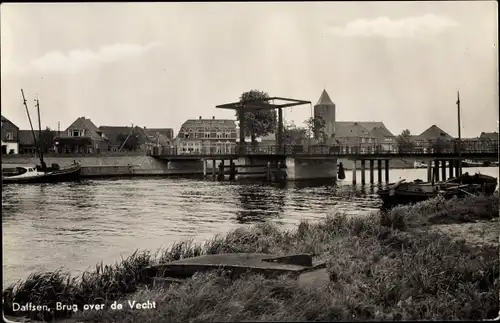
<point x="398" y="265"/>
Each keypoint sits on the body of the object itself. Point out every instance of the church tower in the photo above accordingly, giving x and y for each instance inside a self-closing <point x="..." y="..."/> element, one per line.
<point x="325" y="108"/>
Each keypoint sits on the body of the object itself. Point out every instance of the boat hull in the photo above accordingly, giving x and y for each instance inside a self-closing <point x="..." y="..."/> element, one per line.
<point x="410" y="193"/>
<point x="62" y="175"/>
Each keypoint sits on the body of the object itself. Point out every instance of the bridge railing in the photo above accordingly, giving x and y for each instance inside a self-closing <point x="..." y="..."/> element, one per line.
<point x="360" y="149"/>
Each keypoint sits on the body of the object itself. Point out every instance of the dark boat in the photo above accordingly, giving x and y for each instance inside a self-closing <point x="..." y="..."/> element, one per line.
<point x="403" y="192"/>
<point x="40" y="173"/>
<point x="37" y="174"/>
<point x="488" y="183"/>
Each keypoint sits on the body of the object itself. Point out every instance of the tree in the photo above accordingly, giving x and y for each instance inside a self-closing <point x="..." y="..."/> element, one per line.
<point x="404" y="141"/>
<point x="258" y="123"/>
<point x="47" y="140"/>
<point x="316" y="127"/>
<point x="292" y="135"/>
<point x="132" y="143"/>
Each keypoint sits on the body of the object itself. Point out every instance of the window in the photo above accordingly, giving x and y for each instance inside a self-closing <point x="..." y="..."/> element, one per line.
<point x="206" y="135"/>
<point x="9" y="136"/>
<point x="76" y="133"/>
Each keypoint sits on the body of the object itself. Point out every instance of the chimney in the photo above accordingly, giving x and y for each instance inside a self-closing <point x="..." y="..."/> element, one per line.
<point x="200" y="117"/>
<point x="213" y="118"/>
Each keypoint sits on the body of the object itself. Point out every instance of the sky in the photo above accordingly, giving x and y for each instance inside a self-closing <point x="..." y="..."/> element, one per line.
<point x="159" y="64"/>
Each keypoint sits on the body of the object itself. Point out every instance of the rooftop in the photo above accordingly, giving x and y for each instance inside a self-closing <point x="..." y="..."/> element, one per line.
<point x="324" y="99"/>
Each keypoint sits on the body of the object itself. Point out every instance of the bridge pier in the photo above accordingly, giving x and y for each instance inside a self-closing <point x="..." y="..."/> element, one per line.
<point x="354" y="172"/>
<point x="205" y="162"/>
<point x="443" y="170"/>
<point x="436" y="170"/>
<point x="450" y="169"/>
<point x="387" y="170"/>
<point x="214" y="167"/>
<point x="371" y="171"/>
<point x="379" y="170"/>
<point x="362" y="172"/>
<point x="429" y="171"/>
<point x="220" y="175"/>
<point x="458" y="170"/>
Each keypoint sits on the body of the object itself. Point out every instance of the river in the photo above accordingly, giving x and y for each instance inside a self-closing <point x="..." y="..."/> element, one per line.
<point x="74" y="226"/>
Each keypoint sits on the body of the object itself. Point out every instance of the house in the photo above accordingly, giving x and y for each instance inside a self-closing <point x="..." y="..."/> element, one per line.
<point x="206" y="136"/>
<point x="10" y="137"/>
<point x="82" y="136"/>
<point x="385" y="139"/>
<point x="128" y="138"/>
<point x="351" y="135"/>
<point x="489" y="140"/>
<point x="27" y="141"/>
<point x="433" y="138"/>
<point x="160" y="139"/>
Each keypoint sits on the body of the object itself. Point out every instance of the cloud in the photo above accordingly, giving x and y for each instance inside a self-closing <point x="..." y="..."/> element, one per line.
<point x="408" y="27"/>
<point x="79" y="59"/>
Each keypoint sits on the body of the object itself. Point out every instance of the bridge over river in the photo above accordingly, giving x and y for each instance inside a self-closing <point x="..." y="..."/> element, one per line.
<point x="319" y="161"/>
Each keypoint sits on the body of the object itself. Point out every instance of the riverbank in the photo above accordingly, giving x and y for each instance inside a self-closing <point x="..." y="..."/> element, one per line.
<point x="391" y="266"/>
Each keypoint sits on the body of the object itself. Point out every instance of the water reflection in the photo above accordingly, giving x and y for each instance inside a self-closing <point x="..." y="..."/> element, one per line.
<point x="77" y="225"/>
<point x="259" y="203"/>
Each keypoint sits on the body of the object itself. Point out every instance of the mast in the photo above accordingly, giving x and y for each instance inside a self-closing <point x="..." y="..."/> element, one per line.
<point x="459" y="136"/>
<point x="31" y="124"/>
<point x="40" y="132"/>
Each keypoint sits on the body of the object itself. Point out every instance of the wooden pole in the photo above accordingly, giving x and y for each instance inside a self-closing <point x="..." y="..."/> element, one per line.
<point x="459" y="137"/>
<point x="31" y="124"/>
<point x="40" y="132"/>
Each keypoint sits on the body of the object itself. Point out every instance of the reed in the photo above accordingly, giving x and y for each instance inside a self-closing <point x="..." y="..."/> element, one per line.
<point x="380" y="268"/>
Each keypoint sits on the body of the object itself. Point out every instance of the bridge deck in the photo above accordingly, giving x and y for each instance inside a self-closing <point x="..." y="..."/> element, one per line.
<point x="491" y="153"/>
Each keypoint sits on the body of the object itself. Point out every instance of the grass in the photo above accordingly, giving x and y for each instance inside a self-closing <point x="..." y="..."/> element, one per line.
<point x="380" y="268"/>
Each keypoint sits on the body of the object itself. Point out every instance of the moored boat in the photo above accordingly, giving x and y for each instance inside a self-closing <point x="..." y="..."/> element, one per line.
<point x="418" y="164"/>
<point x="37" y="174"/>
<point x="488" y="183"/>
<point x="471" y="163"/>
<point x="403" y="192"/>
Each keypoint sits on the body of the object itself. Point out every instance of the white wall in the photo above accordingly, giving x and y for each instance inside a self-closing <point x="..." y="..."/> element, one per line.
<point x="11" y="146"/>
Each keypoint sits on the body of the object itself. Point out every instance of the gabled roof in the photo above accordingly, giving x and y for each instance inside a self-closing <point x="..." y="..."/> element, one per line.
<point x="380" y="126"/>
<point x="433" y="133"/>
<point x="381" y="132"/>
<point x="345" y="129"/>
<point x="113" y="133"/>
<point x="4" y="119"/>
<point x="324" y="99"/>
<point x="489" y="135"/>
<point x="87" y="124"/>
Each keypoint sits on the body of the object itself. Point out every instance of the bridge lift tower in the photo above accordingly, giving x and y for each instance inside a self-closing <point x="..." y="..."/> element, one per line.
<point x="262" y="104"/>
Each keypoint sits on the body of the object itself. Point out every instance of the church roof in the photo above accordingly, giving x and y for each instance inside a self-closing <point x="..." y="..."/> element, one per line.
<point x="324" y="99"/>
